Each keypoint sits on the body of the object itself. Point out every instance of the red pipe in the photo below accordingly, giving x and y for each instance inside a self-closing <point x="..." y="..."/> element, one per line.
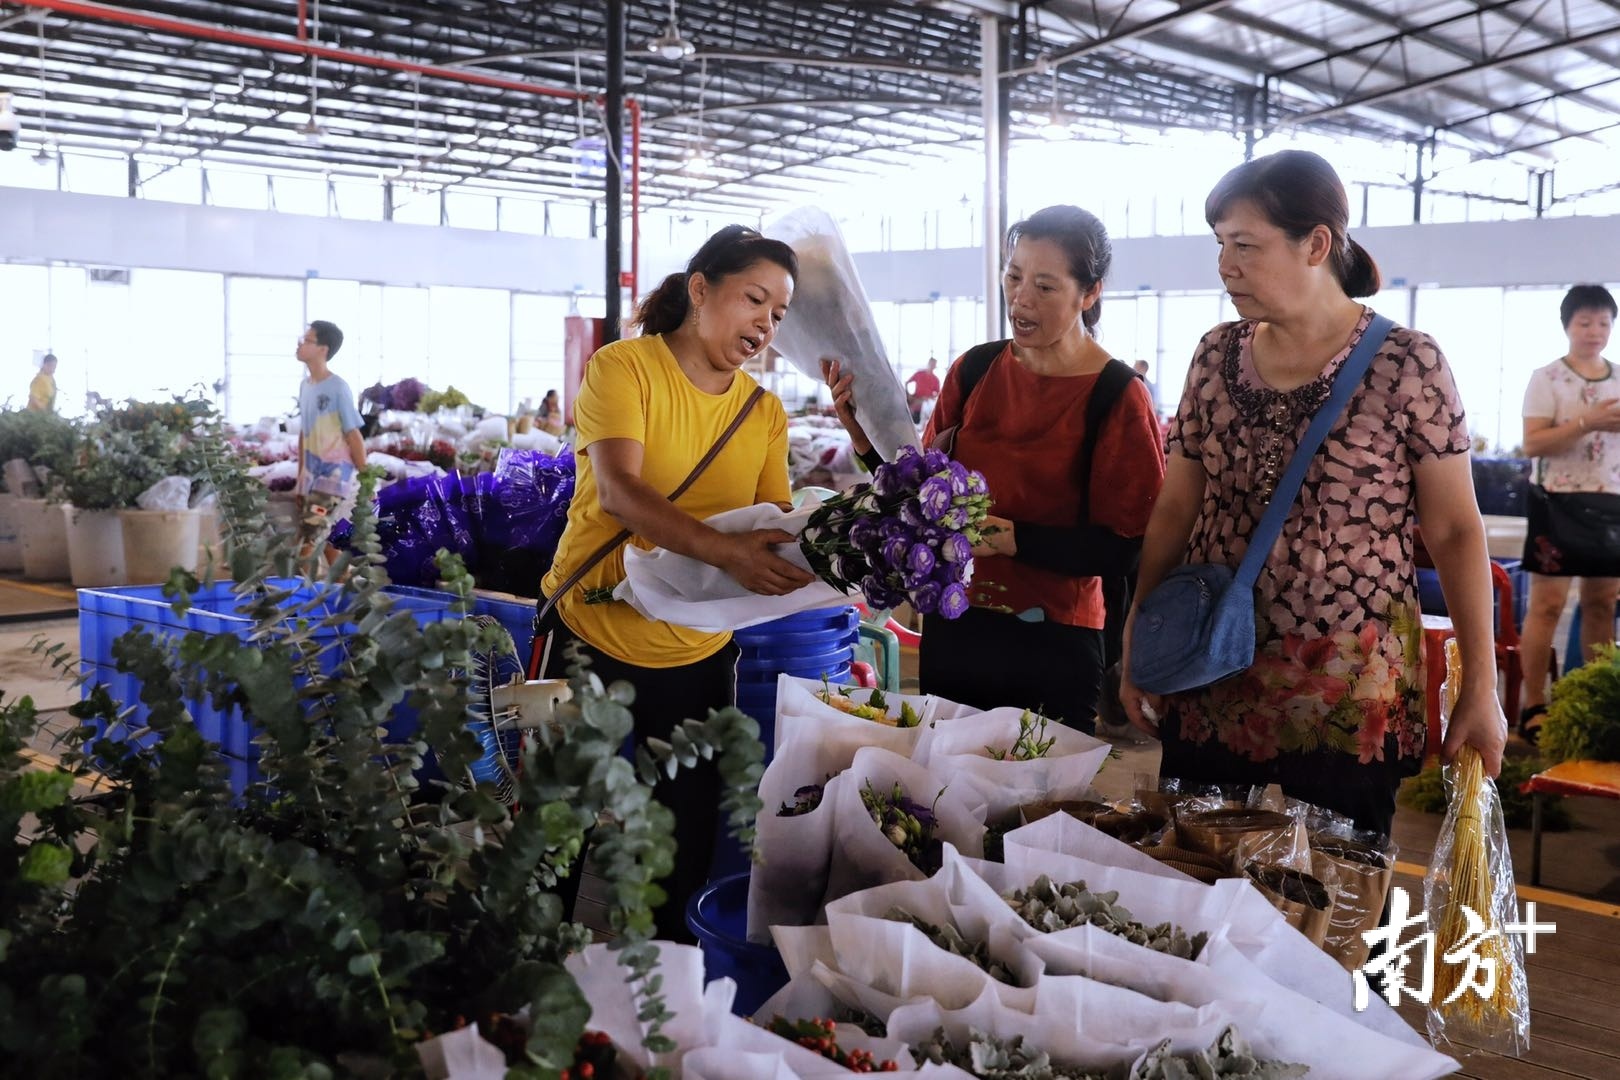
<point x="274" y="43"/>
<point x="635" y="198"/>
<point x="303" y="14"/>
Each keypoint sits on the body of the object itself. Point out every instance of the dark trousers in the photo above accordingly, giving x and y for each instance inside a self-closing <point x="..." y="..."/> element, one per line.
<point x="989" y="659"/>
<point x="664" y="697"/>
<point x="1331" y="779"/>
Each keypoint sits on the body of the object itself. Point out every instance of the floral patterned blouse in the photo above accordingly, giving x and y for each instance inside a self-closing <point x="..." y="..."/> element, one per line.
<point x="1338" y="660"/>
<point x="1559" y="393"/>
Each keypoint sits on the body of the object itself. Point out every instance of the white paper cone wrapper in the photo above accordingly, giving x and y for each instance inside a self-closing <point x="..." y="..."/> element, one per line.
<point x="831" y="317"/>
<point x="463" y="1054"/>
<point x="1069" y="836"/>
<point x="862" y="855"/>
<point x="958" y="751"/>
<point x="614" y="1006"/>
<point x="677" y="589"/>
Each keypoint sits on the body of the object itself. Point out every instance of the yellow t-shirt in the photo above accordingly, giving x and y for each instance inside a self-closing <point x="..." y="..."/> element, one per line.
<point x="42" y="393"/>
<point x="635" y="389"/>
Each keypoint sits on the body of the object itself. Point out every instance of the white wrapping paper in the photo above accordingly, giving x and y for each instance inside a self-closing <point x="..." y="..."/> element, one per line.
<point x="1151" y="890"/>
<point x="738" y="1043"/>
<point x="830" y="317"/>
<point x="462" y="1054"/>
<point x="814" y="742"/>
<point x="614" y="1005"/>
<point x="862" y="855"/>
<point x="959" y="752"/>
<point x="898" y="959"/>
<point x="1067" y="835"/>
<point x="796" y="698"/>
<point x="678" y="589"/>
<point x="1093" y="1043"/>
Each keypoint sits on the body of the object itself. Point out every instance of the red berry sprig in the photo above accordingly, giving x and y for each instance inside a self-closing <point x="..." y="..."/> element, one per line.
<point x="819" y="1035"/>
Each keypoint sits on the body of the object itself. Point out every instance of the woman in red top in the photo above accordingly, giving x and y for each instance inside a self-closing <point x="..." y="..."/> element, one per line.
<point x="1034" y="635"/>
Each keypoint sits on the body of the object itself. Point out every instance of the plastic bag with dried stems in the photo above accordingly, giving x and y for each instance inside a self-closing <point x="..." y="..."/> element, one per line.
<point x="1481" y="993"/>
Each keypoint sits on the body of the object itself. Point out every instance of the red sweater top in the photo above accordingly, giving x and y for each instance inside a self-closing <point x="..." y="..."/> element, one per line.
<point x="1024" y="433"/>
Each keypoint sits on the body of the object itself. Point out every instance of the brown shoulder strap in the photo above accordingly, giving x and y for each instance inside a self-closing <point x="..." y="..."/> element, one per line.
<point x="691" y="478"/>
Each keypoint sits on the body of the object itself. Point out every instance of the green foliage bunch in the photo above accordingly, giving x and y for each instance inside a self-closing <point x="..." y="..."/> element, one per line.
<point x="43" y="439"/>
<point x="342" y="910"/>
<point x="1427" y="792"/>
<point x="126" y="449"/>
<point x="1583" y="720"/>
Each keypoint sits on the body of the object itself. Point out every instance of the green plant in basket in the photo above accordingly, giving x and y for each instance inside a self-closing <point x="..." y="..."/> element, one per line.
<point x="1583" y="720"/>
<point x="333" y="915"/>
<point x="44" y="440"/>
<point x="108" y="470"/>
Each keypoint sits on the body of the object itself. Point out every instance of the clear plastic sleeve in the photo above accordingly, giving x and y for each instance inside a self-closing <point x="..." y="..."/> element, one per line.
<point x="1481" y="993"/>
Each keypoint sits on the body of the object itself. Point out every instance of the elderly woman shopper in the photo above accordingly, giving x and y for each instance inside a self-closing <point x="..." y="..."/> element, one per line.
<point x="1572" y="429"/>
<point x="1067" y="440"/>
<point x="1332" y="708"/>
<point x="670" y="432"/>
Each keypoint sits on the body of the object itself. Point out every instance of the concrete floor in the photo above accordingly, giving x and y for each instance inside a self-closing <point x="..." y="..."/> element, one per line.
<point x="24" y="671"/>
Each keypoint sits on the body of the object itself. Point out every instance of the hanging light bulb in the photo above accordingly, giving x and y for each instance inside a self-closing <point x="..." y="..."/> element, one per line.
<point x="1054" y="127"/>
<point x="670" y="44"/>
<point x="699" y="161"/>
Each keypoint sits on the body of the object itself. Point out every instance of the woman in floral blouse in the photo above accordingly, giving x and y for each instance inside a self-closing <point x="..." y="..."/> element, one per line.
<point x="1571" y="421"/>
<point x="1333" y="707"/>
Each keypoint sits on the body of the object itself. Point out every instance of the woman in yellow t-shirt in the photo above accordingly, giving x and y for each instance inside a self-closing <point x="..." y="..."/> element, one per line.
<point x="647" y="412"/>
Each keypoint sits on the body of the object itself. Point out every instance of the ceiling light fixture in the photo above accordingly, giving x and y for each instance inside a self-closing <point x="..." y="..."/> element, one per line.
<point x="670" y="44"/>
<point x="698" y="161"/>
<point x="1054" y="127"/>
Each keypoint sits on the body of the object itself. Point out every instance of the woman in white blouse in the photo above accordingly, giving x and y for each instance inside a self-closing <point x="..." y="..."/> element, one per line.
<point x="1572" y="428"/>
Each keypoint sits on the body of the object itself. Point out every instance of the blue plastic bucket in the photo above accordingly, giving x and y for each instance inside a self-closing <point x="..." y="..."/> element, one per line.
<point x="719" y="917"/>
<point x="821" y="620"/>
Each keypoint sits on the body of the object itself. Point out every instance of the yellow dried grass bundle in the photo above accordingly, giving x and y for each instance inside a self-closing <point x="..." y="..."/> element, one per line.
<point x="1473" y="872"/>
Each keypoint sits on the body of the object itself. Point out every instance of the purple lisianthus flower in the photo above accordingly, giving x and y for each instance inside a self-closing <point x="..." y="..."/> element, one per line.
<point x="920" y="559"/>
<point x="908" y="468"/>
<point x="956" y="549"/>
<point x="935" y="460"/>
<point x="912" y="513"/>
<point x="925" y="598"/>
<point x="863" y="533"/>
<point x="889" y="528"/>
<point x="894" y="551"/>
<point x="957" y="473"/>
<point x="886" y="481"/>
<point x="848" y="567"/>
<point x="953" y="601"/>
<point x="955" y="518"/>
<point x="935" y="497"/>
<point x="976" y="484"/>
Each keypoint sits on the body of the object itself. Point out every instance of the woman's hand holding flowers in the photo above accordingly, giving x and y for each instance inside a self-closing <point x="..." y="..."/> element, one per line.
<point x="750" y="559"/>
<point x="996" y="538"/>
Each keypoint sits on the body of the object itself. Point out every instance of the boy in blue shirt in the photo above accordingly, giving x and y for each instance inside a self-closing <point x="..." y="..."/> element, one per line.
<point x="330" y="449"/>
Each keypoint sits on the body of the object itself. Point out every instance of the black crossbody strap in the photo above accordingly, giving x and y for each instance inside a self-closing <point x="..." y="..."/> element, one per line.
<point x="1112" y="382"/>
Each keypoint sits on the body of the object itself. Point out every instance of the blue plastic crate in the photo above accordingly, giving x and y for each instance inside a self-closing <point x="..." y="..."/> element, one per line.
<point x="106" y="614"/>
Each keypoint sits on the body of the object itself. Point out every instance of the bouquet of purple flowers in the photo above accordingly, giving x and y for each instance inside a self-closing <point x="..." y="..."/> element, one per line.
<point x="907" y="537"/>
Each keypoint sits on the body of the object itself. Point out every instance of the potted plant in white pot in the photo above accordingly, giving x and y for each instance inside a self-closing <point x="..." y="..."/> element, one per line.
<point x="157" y="437"/>
<point x="107" y="472"/>
<point x="45" y="442"/>
<point x="10" y="541"/>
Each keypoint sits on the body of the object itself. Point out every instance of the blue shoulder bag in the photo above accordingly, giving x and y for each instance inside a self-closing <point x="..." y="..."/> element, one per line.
<point x="1197" y="627"/>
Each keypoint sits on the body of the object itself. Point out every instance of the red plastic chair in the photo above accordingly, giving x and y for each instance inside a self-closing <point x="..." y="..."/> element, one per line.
<point x="1437" y="630"/>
